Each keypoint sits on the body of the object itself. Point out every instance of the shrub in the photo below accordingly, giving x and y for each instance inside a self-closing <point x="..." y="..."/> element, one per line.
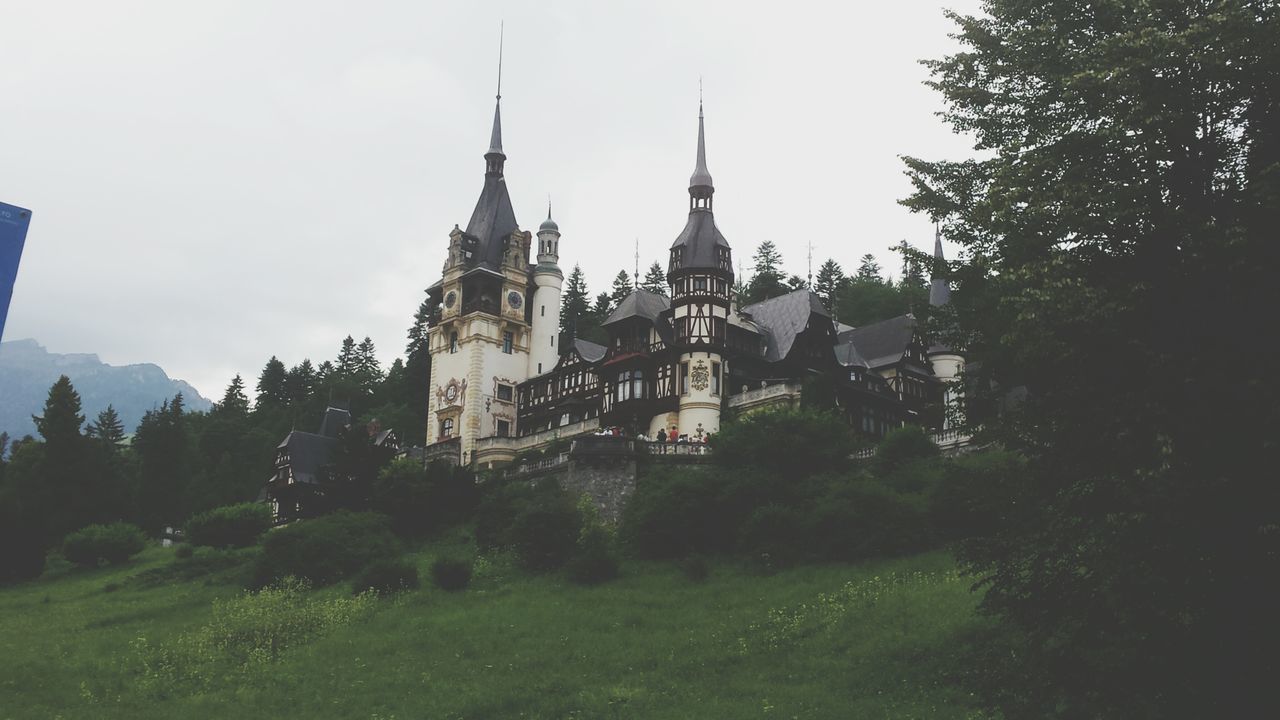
<point x="421" y="501"/>
<point x="976" y="495"/>
<point x="114" y="544"/>
<point x="865" y="519"/>
<point x="229" y="526"/>
<point x="777" y="532"/>
<point x="545" y="533"/>
<point x="325" y="549"/>
<point x="596" y="559"/>
<point x="21" y="554"/>
<point x="772" y="441"/>
<point x="184" y="551"/>
<point x="695" y="568"/>
<point x="451" y="574"/>
<point x="387" y="576"/>
<point x="669" y="515"/>
<point x="909" y="442"/>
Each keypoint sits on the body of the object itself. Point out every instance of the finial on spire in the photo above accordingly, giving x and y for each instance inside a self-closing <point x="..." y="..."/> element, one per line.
<point x="501" y="31"/>
<point x="495" y="139"/>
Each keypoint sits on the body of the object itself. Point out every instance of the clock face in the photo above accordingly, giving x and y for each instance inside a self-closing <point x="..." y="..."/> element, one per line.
<point x="515" y="300"/>
<point x="451" y="299"/>
<point x="451" y="393"/>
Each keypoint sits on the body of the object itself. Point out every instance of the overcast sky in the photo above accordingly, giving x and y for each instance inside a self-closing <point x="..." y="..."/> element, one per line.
<point x="214" y="183"/>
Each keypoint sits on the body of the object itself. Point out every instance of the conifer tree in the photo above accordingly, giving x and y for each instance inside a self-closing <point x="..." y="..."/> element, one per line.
<point x="869" y="269"/>
<point x="62" y="419"/>
<point x="575" y="305"/>
<point x="767" y="280"/>
<point x="368" y="371"/>
<point x="234" y="401"/>
<point x="423" y="319"/>
<point x="162" y="447"/>
<point x="347" y="358"/>
<point x="655" y="280"/>
<point x="830" y="276"/>
<point x="324" y="372"/>
<point x="271" y="384"/>
<point x="107" y="428"/>
<point x="621" y="289"/>
<point x="300" y="381"/>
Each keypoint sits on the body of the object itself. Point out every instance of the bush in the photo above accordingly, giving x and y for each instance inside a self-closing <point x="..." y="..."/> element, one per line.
<point x="421" y="501"/>
<point x="21" y="554"/>
<point x="976" y="496"/>
<point x="909" y="442"/>
<point x="325" y="549"/>
<point x="229" y="526"/>
<point x="114" y="544"/>
<point x="596" y="559"/>
<point x="772" y="440"/>
<point x="545" y="533"/>
<point x="387" y="576"/>
<point x="865" y="519"/>
<point x="451" y="574"/>
<point x="669" y="516"/>
<point x="774" y="532"/>
<point x="184" y="551"/>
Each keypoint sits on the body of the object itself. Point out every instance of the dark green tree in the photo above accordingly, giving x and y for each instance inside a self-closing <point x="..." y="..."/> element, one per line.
<point x="299" y="382"/>
<point x="348" y="359"/>
<point x="234" y="402"/>
<point x="273" y="384"/>
<point x="622" y="287"/>
<point x="107" y="427"/>
<point x="368" y="371"/>
<point x="162" y="446"/>
<point x="869" y="269"/>
<point x="1119" y="234"/>
<point x="767" y="280"/>
<point x="575" y="305"/>
<point x="655" y="280"/>
<point x="61" y="421"/>
<point x="830" y="277"/>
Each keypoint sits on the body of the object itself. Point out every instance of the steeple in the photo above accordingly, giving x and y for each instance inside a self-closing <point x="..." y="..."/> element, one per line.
<point x="700" y="185"/>
<point x="939" y="287"/>
<point x="495" y="158"/>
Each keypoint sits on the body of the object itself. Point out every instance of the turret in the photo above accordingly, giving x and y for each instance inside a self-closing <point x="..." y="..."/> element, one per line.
<point x="947" y="362"/>
<point x="700" y="273"/>
<point x="548" y="281"/>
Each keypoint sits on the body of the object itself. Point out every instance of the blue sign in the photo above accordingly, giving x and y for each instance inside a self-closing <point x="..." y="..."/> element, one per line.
<point x="13" y="235"/>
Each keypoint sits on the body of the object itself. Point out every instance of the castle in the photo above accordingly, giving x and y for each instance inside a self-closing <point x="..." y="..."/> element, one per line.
<point x="505" y="380"/>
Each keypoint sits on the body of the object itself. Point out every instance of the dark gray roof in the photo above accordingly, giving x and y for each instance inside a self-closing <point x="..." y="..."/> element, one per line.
<point x="700" y="238"/>
<point x="334" y="420"/>
<point x="589" y="351"/>
<point x="640" y="303"/>
<point x="495" y="138"/>
<point x="784" y="317"/>
<point x="848" y="356"/>
<point x="492" y="222"/>
<point x="308" y="454"/>
<point x="882" y="343"/>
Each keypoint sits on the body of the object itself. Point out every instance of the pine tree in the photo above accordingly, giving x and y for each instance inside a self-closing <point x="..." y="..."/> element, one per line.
<point x="234" y="402"/>
<point x="423" y="319"/>
<point x="271" y="384"/>
<point x="575" y="305"/>
<point x="368" y="372"/>
<point x="767" y="280"/>
<point x="300" y="381"/>
<point x="107" y="428"/>
<point x="655" y="280"/>
<point x="830" y="276"/>
<point x="621" y="289"/>
<point x="324" y="372"/>
<point x="869" y="270"/>
<point x="347" y="358"/>
<point x="162" y="447"/>
<point x="795" y="282"/>
<point x="62" y="419"/>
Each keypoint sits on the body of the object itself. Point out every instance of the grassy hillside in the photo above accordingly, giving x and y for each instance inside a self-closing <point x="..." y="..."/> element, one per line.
<point x="835" y="641"/>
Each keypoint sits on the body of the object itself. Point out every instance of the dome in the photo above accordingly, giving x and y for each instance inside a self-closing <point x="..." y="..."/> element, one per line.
<point x="549" y="224"/>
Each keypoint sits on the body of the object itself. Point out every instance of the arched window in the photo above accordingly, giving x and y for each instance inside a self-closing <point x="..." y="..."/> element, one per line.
<point x="446" y="428"/>
<point x="453" y="342"/>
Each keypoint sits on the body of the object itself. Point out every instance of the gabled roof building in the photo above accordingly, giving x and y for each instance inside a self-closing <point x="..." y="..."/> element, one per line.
<point x="504" y="379"/>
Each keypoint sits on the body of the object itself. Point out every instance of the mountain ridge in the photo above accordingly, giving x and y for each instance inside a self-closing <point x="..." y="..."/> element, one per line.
<point x="27" y="369"/>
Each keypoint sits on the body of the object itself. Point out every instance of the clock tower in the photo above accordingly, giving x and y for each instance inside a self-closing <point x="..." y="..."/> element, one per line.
<point x="480" y="345"/>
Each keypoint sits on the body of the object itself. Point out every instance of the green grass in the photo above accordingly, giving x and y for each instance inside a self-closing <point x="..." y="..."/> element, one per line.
<point x="879" y="640"/>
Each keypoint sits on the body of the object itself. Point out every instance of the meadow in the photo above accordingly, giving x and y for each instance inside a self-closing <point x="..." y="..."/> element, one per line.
<point x="162" y="638"/>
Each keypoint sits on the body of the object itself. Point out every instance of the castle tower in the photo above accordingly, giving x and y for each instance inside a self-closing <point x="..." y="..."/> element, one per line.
<point x="700" y="273"/>
<point x="480" y="346"/>
<point x="947" y="363"/>
<point x="545" y="304"/>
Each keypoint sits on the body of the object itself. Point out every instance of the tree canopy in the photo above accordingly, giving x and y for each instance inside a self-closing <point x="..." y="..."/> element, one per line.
<point x="1119" y="224"/>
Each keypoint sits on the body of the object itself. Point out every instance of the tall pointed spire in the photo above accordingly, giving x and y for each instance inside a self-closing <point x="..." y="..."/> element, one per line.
<point x="701" y="176"/>
<point x="939" y="287"/>
<point x="495" y="156"/>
